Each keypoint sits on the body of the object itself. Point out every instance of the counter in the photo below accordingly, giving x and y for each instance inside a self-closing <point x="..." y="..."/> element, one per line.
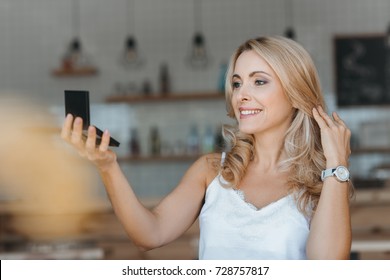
<point x="370" y="218"/>
<point x="100" y="235"/>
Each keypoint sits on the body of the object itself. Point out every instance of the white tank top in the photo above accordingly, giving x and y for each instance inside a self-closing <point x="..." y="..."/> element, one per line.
<point x="231" y="228"/>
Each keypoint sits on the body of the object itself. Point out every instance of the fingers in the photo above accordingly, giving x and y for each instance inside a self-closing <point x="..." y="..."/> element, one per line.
<point x="337" y="119"/>
<point x="324" y="120"/>
<point x="91" y="141"/>
<point x="72" y="132"/>
<point x="77" y="133"/>
<point x="328" y="120"/>
<point x="90" y="144"/>
<point x="93" y="152"/>
<point x="67" y="128"/>
<point x="321" y="122"/>
<point x="105" y="141"/>
<point x="100" y="155"/>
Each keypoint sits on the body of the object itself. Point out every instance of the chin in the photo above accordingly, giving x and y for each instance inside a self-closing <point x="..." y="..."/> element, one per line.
<point x="247" y="130"/>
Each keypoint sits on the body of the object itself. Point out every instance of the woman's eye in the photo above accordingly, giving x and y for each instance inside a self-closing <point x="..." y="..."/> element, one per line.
<point x="260" y="82"/>
<point x="236" y="85"/>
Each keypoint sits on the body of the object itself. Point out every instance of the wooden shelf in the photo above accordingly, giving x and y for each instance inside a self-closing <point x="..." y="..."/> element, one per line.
<point x="384" y="150"/>
<point x="157" y="98"/>
<point x="168" y="158"/>
<point x="79" y="72"/>
<point x="167" y="98"/>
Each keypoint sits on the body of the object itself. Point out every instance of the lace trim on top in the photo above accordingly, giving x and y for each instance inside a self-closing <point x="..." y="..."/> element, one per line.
<point x="241" y="195"/>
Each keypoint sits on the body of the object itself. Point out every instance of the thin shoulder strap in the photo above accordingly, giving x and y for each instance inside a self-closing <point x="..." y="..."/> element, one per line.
<point x="223" y="158"/>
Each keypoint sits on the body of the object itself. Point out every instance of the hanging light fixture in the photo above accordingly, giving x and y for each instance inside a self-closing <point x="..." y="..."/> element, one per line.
<point x="130" y="57"/>
<point x="74" y="57"/>
<point x="198" y="57"/>
<point x="289" y="31"/>
<point x="387" y="38"/>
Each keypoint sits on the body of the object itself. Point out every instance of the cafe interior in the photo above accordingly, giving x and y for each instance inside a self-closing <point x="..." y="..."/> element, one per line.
<point x="155" y="73"/>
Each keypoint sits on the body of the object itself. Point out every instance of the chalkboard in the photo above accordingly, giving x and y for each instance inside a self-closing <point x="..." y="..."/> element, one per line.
<point x="362" y="70"/>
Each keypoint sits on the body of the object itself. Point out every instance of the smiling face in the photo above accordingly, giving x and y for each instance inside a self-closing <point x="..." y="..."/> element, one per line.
<point x="258" y="100"/>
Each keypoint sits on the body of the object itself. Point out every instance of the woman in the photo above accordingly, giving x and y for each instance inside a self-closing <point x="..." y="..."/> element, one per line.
<point x="264" y="198"/>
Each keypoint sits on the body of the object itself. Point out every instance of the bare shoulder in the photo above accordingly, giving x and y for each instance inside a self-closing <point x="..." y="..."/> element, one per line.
<point x="211" y="164"/>
<point x="200" y="174"/>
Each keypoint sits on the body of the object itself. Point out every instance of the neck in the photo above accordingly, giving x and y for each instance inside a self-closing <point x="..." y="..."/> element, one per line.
<point x="269" y="151"/>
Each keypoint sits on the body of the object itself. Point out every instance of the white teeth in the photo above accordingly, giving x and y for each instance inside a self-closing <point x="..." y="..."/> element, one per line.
<point x="250" y="112"/>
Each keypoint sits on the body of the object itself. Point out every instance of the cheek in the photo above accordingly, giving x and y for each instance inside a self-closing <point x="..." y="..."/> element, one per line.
<point x="233" y="105"/>
<point x="279" y="100"/>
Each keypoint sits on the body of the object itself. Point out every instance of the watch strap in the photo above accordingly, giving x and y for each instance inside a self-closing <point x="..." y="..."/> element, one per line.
<point x="327" y="173"/>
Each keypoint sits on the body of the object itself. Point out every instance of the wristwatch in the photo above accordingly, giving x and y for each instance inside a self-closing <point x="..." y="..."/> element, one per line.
<point x="341" y="173"/>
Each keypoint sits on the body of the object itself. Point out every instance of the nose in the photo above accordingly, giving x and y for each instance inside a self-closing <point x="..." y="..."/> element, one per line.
<point x="244" y="93"/>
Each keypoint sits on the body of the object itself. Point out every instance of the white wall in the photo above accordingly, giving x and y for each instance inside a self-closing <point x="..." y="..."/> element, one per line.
<point x="34" y="34"/>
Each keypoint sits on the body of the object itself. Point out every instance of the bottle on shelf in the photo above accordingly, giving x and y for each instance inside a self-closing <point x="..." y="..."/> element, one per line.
<point x="164" y="80"/>
<point x="219" y="144"/>
<point x="193" y="141"/>
<point x="146" y="88"/>
<point x="155" y="142"/>
<point x="135" y="148"/>
<point x="208" y="140"/>
<point x="222" y="77"/>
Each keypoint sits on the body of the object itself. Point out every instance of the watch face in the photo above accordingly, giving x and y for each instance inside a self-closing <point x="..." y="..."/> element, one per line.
<point x="342" y="173"/>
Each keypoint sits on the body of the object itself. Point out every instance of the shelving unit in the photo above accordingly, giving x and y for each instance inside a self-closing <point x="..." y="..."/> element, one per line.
<point x="167" y="98"/>
<point x="360" y="151"/>
<point x="160" y="98"/>
<point x="79" y="72"/>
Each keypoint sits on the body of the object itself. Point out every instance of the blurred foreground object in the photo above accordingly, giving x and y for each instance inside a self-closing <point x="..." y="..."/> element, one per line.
<point x="45" y="188"/>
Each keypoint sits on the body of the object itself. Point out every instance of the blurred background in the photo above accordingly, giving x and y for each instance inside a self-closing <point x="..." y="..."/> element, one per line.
<point x="155" y="73"/>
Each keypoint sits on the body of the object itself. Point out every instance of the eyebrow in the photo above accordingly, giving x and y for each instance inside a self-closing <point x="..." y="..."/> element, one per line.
<point x="252" y="74"/>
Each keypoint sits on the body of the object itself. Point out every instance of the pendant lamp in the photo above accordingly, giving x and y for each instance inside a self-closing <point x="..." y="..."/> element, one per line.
<point x="289" y="16"/>
<point x="75" y="55"/>
<point x="198" y="57"/>
<point x="130" y="57"/>
<point x="75" y="61"/>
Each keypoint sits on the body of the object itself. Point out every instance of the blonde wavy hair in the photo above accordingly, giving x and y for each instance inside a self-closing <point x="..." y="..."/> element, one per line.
<point x="299" y="79"/>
